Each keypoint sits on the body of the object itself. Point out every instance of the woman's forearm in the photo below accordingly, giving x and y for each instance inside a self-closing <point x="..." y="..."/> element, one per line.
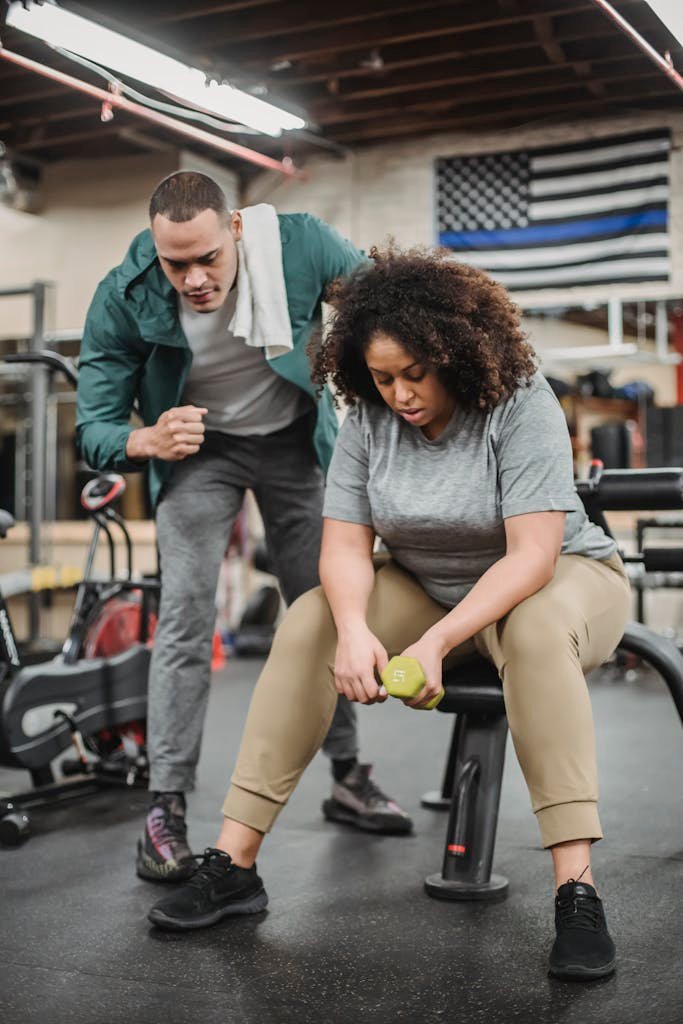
<point x="347" y="577"/>
<point x="509" y="581"/>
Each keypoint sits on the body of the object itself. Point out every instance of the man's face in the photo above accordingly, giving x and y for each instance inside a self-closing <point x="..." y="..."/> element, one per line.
<point x="199" y="256"/>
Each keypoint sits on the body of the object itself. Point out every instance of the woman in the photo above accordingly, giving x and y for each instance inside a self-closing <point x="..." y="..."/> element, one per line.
<point x="456" y="454"/>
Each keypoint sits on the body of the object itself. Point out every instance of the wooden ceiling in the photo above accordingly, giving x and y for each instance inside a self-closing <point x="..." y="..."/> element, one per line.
<point x="361" y="72"/>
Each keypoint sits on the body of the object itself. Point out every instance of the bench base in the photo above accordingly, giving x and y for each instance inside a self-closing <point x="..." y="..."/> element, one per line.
<point x="434" y="800"/>
<point x="440" y="889"/>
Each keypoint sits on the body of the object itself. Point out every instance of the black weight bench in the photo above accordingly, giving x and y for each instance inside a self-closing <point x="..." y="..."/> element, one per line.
<point x="474" y="766"/>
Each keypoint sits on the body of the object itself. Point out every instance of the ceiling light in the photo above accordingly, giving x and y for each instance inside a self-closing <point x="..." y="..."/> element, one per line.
<point x="68" y="31"/>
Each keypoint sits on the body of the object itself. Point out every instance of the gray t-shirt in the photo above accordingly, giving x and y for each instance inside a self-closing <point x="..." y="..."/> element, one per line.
<point x="439" y="505"/>
<point x="233" y="380"/>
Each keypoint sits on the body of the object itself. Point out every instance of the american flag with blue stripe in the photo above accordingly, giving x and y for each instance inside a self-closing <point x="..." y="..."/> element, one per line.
<point x="587" y="213"/>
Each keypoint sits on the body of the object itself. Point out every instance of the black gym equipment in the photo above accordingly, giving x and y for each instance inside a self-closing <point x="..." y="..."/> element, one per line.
<point x="254" y="634"/>
<point x="473" y="692"/>
<point x="93" y="696"/>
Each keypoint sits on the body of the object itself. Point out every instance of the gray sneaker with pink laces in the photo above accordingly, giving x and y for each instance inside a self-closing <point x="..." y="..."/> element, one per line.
<point x="163" y="852"/>
<point x="357" y="800"/>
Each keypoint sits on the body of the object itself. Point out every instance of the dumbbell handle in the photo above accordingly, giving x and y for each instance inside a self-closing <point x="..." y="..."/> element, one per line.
<point x="404" y="677"/>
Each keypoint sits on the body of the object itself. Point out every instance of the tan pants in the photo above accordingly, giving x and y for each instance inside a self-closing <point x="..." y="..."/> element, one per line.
<point x="541" y="650"/>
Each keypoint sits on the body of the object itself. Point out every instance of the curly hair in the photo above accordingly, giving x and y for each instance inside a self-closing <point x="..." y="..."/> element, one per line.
<point x="447" y="315"/>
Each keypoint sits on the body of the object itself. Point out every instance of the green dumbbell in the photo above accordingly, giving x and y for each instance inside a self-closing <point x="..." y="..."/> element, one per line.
<point x="404" y="678"/>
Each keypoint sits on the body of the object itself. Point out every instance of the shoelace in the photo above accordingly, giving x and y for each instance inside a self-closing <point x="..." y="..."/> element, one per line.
<point x="370" y="792"/>
<point x="211" y="869"/>
<point x="579" y="912"/>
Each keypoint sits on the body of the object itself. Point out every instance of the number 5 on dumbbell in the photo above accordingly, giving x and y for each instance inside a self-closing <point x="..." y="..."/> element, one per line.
<point x="404" y="678"/>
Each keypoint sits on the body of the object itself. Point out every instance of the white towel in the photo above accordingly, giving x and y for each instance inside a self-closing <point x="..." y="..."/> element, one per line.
<point x="261" y="315"/>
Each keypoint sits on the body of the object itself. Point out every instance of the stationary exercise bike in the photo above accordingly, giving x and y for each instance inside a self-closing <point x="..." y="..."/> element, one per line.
<point x="93" y="696"/>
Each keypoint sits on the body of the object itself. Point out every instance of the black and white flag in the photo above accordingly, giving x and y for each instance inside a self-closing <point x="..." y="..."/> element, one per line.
<point x="587" y="213"/>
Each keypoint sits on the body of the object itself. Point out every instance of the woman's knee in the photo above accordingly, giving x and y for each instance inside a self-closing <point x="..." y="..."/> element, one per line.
<point x="307" y="624"/>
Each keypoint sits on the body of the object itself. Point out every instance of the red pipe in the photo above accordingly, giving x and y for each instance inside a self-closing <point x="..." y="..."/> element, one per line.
<point x="114" y="99"/>
<point x="662" y="63"/>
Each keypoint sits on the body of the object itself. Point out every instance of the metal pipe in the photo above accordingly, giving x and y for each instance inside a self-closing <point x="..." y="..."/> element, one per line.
<point x="20" y="467"/>
<point x="661" y="329"/>
<point x="114" y="99"/>
<point x="662" y="63"/>
<point x="615" y="324"/>
<point x="39" y="394"/>
<point x="114" y="517"/>
<point x="51" y="455"/>
<point x="8" y="292"/>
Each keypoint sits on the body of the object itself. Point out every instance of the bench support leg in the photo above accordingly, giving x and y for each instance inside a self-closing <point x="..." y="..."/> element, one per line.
<point x="471" y="835"/>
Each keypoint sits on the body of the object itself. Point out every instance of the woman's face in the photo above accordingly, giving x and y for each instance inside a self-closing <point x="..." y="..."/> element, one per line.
<point x="412" y="389"/>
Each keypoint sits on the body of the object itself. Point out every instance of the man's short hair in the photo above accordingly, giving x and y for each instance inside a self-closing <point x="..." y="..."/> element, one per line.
<point x="185" y="194"/>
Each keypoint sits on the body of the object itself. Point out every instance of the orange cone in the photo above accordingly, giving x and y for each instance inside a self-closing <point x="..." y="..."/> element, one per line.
<point x="217" y="653"/>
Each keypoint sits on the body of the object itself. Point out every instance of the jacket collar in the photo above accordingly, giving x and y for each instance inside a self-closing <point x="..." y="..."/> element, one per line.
<point x="149" y="294"/>
<point x="138" y="261"/>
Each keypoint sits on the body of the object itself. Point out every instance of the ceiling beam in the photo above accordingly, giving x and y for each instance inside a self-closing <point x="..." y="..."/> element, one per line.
<point x="30" y="90"/>
<point x="51" y="117"/>
<point x="365" y="34"/>
<point x="466" y="73"/>
<point x="192" y="12"/>
<point x="543" y="27"/>
<point x="37" y="140"/>
<point x="93" y="134"/>
<point x="298" y="17"/>
<point x="478" y="43"/>
<point x="545" y="114"/>
<point x="498" y="93"/>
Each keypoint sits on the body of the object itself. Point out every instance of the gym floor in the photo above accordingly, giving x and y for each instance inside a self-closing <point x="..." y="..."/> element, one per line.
<point x="350" y="934"/>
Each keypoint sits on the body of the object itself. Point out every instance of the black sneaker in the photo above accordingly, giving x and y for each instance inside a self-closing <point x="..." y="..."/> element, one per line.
<point x="163" y="853"/>
<point x="583" y="949"/>
<point x="358" y="801"/>
<point x="217" y="889"/>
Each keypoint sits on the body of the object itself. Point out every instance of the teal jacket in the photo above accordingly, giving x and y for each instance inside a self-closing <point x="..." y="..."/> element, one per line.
<point x="134" y="348"/>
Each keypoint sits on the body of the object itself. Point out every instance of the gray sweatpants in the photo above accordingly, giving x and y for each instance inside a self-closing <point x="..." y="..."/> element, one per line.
<point x="194" y="519"/>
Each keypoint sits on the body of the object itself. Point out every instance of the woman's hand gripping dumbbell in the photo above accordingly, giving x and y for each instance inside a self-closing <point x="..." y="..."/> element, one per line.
<point x="364" y="673"/>
<point x="404" y="678"/>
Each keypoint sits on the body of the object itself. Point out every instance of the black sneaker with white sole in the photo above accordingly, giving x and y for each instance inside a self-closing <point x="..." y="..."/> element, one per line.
<point x="163" y="852"/>
<point x="583" y="949"/>
<point x="217" y="889"/>
<point x="357" y="800"/>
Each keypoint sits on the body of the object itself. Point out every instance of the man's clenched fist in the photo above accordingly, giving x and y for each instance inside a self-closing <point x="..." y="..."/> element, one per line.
<point x="175" y="435"/>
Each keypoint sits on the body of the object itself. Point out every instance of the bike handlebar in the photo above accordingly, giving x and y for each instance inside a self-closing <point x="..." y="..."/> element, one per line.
<point x="53" y="360"/>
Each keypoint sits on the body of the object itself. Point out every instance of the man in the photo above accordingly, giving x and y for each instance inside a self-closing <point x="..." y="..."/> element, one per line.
<point x="205" y="324"/>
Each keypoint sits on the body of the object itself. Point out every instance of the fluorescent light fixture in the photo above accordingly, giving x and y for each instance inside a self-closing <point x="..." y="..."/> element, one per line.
<point x="670" y="12"/>
<point x="69" y="31"/>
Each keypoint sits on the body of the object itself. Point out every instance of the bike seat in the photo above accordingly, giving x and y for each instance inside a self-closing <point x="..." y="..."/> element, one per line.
<point x="6" y="522"/>
<point x="100" y="492"/>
